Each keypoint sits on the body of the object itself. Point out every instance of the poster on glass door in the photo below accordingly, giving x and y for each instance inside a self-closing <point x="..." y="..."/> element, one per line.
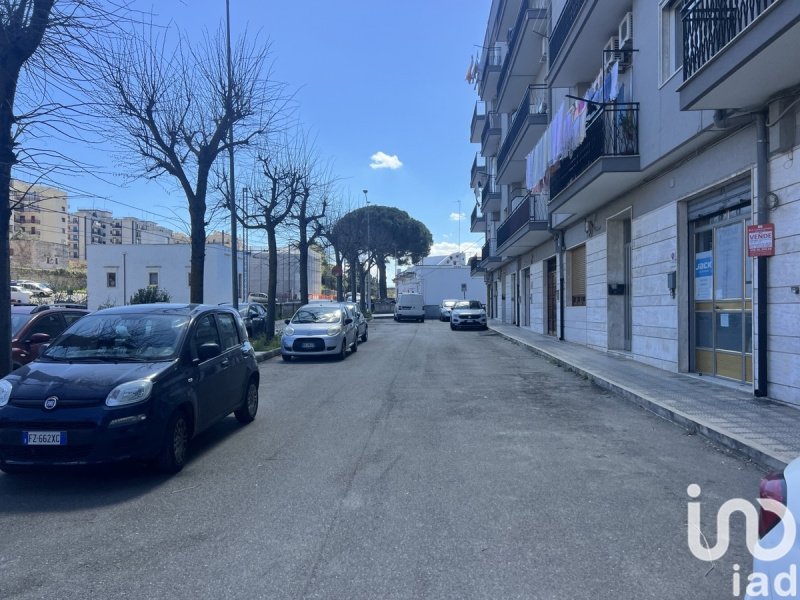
<point x="703" y="275"/>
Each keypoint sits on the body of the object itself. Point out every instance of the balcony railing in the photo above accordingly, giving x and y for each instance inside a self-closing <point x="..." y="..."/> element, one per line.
<point x="473" y="263"/>
<point x="532" y="208"/>
<point x="478" y="167"/>
<point x="565" y="22"/>
<point x="475" y="216"/>
<point x="612" y="132"/>
<point x="708" y="25"/>
<point x="489" y="249"/>
<point x="490" y="187"/>
<point x="492" y="123"/>
<point x="534" y="102"/>
<point x="513" y="38"/>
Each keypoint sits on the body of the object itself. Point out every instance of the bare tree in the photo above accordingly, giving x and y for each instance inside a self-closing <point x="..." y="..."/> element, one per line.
<point x="46" y="50"/>
<point x="176" y="106"/>
<point x="274" y="194"/>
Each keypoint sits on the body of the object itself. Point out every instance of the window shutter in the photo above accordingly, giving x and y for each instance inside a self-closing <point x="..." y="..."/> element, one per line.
<point x="578" y="278"/>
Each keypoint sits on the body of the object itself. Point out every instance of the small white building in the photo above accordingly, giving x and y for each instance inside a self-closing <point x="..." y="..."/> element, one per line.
<point x="441" y="277"/>
<point x="116" y="271"/>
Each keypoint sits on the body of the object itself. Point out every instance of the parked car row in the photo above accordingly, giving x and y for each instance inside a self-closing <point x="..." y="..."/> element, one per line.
<point x="130" y="382"/>
<point x="324" y="329"/>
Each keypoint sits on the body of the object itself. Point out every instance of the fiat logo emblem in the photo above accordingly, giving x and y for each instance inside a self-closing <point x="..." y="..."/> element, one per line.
<point x="50" y="403"/>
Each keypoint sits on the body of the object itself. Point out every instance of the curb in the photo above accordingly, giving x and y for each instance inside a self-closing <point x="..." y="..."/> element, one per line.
<point x="718" y="435"/>
<point x="262" y="356"/>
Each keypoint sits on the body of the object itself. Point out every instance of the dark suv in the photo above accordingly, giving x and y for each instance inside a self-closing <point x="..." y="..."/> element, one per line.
<point x="32" y="326"/>
<point x="130" y="382"/>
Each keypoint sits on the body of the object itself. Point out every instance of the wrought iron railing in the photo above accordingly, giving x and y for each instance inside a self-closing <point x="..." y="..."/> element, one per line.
<point x="489" y="249"/>
<point x="490" y="187"/>
<point x="532" y="208"/>
<point x="533" y="102"/>
<point x="565" y="22"/>
<point x="478" y="166"/>
<point x="614" y="131"/>
<point x="491" y="124"/>
<point x="708" y="25"/>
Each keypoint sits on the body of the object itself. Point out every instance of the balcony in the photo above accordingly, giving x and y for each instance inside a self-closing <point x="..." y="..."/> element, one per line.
<point x="738" y="55"/>
<point x="525" y="57"/>
<point x="528" y="125"/>
<point x="477" y="222"/>
<point x="490" y="260"/>
<point x="489" y="72"/>
<point x="582" y="31"/>
<point x="478" y="119"/>
<point x="490" y="197"/>
<point x="525" y="228"/>
<point x="490" y="138"/>
<point x="604" y="165"/>
<point x="478" y="173"/>
<point x="475" y="265"/>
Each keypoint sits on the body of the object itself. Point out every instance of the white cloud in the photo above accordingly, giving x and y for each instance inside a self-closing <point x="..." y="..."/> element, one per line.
<point x="381" y="160"/>
<point x="445" y="248"/>
<point x="457" y="216"/>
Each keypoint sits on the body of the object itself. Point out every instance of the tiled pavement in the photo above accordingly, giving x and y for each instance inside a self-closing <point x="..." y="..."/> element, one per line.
<point x="765" y="431"/>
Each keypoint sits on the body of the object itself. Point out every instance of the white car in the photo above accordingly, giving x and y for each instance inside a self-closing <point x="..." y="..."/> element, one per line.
<point x="20" y="296"/>
<point x="468" y="314"/>
<point x="771" y="577"/>
<point x="35" y="289"/>
<point x="445" y="306"/>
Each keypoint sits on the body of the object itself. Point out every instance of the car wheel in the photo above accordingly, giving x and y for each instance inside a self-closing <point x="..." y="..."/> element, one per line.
<point x="422" y="320"/>
<point x="354" y="345"/>
<point x="343" y="352"/>
<point x="365" y="336"/>
<point x="286" y="357"/>
<point x="453" y="327"/>
<point x="172" y="456"/>
<point x="247" y="411"/>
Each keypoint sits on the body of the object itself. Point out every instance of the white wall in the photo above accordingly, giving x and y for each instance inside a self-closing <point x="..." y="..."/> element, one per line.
<point x="784" y="272"/>
<point x="133" y="262"/>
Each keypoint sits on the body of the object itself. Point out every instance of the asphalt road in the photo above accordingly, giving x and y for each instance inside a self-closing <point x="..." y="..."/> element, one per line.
<point x="430" y="464"/>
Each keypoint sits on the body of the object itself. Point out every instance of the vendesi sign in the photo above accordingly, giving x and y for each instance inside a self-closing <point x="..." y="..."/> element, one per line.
<point x="761" y="240"/>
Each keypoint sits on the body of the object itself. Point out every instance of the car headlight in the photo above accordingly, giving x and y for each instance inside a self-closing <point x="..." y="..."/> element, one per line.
<point x="288" y="330"/>
<point x="334" y="331"/>
<point x="5" y="392"/>
<point x="131" y="392"/>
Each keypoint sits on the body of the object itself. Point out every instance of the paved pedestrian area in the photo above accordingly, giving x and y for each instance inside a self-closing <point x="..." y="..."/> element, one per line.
<point x="766" y="431"/>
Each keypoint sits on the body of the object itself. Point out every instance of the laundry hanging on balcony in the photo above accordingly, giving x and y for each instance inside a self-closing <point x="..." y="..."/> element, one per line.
<point x="472" y="70"/>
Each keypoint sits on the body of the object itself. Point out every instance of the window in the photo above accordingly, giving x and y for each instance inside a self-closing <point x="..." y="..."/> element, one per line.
<point x="189" y="279"/>
<point x="577" y="267"/>
<point x="153" y="279"/>
<point x="671" y="38"/>
<point x="205" y="333"/>
<point x="111" y="280"/>
<point x="228" y="331"/>
<point x="52" y="325"/>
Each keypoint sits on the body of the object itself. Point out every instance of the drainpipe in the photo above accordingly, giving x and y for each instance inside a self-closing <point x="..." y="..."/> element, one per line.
<point x="762" y="189"/>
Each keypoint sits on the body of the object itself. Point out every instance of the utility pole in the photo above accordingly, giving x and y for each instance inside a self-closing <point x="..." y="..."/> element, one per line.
<point x="229" y="109"/>
<point x="369" y="246"/>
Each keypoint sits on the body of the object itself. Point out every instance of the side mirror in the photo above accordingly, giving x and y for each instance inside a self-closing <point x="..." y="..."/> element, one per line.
<point x="348" y="320"/>
<point x="39" y="338"/>
<point x="287" y="321"/>
<point x="208" y="351"/>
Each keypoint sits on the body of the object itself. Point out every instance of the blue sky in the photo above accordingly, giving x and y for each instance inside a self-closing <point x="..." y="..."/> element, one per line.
<point x="370" y="77"/>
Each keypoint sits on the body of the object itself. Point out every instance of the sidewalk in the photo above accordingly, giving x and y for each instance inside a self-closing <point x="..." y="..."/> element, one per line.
<point x="765" y="431"/>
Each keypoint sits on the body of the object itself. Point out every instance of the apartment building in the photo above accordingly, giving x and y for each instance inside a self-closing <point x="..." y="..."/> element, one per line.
<point x="636" y="181"/>
<point x="38" y="213"/>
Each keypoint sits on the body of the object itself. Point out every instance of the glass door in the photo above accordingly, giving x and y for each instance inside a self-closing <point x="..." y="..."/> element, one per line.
<point x="722" y="306"/>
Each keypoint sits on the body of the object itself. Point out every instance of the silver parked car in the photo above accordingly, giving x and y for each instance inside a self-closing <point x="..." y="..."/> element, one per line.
<point x="319" y="330"/>
<point x="468" y="313"/>
<point x="359" y="320"/>
<point x="445" y="306"/>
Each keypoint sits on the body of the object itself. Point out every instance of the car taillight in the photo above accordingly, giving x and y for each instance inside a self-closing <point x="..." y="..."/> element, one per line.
<point x="772" y="486"/>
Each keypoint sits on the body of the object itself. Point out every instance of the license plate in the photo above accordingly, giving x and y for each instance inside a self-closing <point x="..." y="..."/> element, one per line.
<point x="44" y="438"/>
<point x="311" y="345"/>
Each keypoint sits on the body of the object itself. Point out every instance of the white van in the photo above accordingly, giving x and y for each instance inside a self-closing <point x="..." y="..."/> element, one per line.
<point x="409" y="306"/>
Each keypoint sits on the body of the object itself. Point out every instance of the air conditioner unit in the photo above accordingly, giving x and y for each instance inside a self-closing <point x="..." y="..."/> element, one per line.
<point x="626" y="32"/>
<point x="611" y="53"/>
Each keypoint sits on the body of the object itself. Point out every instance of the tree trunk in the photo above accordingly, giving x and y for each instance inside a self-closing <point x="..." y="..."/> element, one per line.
<point x="272" y="283"/>
<point x="302" y="248"/>
<point x="7" y="159"/>
<point x="382" y="278"/>
<point x="197" y="211"/>
<point x="354" y="264"/>
<point x="362" y="279"/>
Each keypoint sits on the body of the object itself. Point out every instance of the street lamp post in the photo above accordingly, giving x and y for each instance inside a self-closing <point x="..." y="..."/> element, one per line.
<point x="368" y="290"/>
<point x="229" y="108"/>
